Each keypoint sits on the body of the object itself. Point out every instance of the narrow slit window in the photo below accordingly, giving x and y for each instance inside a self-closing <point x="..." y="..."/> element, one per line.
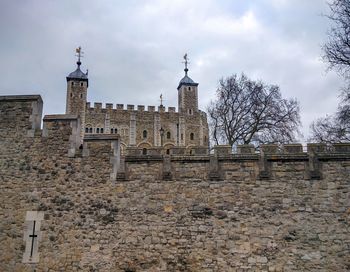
<point x="191" y="136"/>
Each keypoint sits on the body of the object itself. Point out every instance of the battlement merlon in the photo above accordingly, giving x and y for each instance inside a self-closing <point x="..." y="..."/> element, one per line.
<point x="96" y="142"/>
<point x="63" y="127"/>
<point x="139" y="108"/>
<point x="28" y="106"/>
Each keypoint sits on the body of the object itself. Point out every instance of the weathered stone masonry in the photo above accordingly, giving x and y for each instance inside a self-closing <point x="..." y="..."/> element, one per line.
<point x="282" y="210"/>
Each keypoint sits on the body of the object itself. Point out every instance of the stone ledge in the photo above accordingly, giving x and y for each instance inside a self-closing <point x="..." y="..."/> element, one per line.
<point x="143" y="158"/>
<point x="55" y="117"/>
<point x="101" y="137"/>
<point x="21" y="97"/>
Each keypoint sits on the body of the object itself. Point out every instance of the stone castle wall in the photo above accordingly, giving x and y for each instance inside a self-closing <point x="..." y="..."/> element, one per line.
<point x="283" y="210"/>
<point x="150" y="120"/>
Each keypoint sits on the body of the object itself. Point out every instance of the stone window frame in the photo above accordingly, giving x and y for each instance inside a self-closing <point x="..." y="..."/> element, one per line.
<point x="192" y="136"/>
<point x="168" y="135"/>
<point x="144" y="134"/>
<point x="88" y="128"/>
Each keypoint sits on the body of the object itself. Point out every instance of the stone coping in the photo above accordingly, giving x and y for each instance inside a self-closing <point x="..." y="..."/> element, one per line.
<point x="241" y="157"/>
<point x="101" y="137"/>
<point x="55" y="117"/>
<point x="21" y="97"/>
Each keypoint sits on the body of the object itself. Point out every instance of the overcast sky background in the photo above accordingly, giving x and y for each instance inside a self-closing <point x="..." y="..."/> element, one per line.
<point x="134" y="49"/>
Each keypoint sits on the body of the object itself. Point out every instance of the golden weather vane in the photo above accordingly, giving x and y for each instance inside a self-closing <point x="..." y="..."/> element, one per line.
<point x="79" y="53"/>
<point x="186" y="63"/>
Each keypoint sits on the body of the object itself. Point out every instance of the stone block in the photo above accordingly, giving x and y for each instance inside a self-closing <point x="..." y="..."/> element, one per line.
<point x="342" y="147"/>
<point x="269" y="148"/>
<point x="133" y="151"/>
<point x="151" y="108"/>
<point x="293" y="148"/>
<point x="120" y="106"/>
<point x="154" y="151"/>
<point x="140" y="107"/>
<point x="222" y="150"/>
<point x="98" y="105"/>
<point x="246" y="149"/>
<point x="316" y="147"/>
<point x="178" y="150"/>
<point x="109" y="106"/>
<point x="200" y="151"/>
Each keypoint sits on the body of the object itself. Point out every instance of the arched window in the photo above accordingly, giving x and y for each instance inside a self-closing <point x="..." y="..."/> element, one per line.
<point x="90" y="130"/>
<point x="191" y="136"/>
<point x="72" y="83"/>
<point x="81" y="95"/>
<point x="97" y="130"/>
<point x="182" y="136"/>
<point x="86" y="130"/>
<point x="144" y="134"/>
<point x="168" y="135"/>
<point x="81" y="84"/>
<point x="101" y="130"/>
<point x="144" y="151"/>
<point x="189" y="88"/>
<point x="168" y="151"/>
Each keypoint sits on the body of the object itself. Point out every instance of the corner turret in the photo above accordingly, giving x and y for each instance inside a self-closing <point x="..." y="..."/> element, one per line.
<point x="187" y="93"/>
<point x="77" y="84"/>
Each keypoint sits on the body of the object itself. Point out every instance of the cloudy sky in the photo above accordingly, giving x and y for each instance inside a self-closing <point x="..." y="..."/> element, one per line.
<point x="134" y="49"/>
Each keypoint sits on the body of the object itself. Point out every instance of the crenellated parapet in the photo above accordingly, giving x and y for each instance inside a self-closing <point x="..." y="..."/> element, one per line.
<point x="60" y="136"/>
<point x="98" y="106"/>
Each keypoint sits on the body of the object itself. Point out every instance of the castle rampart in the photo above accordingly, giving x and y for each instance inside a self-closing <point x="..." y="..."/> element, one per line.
<point x="280" y="209"/>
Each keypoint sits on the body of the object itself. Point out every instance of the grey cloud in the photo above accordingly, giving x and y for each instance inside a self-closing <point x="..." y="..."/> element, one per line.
<point x="134" y="49"/>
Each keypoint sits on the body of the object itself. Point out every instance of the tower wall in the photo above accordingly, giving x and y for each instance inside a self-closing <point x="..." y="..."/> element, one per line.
<point x="76" y="100"/>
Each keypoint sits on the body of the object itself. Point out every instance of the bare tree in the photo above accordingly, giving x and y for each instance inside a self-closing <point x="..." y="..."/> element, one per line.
<point x="247" y="111"/>
<point x="336" y="128"/>
<point x="337" y="48"/>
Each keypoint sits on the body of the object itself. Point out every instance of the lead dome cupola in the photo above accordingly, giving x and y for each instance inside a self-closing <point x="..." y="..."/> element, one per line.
<point x="78" y="74"/>
<point x="186" y="80"/>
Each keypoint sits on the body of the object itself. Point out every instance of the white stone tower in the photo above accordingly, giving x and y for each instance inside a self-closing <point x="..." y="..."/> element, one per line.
<point x="187" y="93"/>
<point x="77" y="84"/>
